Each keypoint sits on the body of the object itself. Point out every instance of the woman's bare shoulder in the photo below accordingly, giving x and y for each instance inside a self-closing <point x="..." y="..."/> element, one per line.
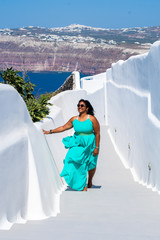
<point x="93" y="118"/>
<point x="73" y="118"/>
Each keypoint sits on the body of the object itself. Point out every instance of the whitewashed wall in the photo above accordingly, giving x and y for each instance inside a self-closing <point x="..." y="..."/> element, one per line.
<point x="29" y="180"/>
<point x="135" y="136"/>
<point x="133" y="102"/>
<point x="132" y="109"/>
<point x="96" y="94"/>
<point x="92" y="83"/>
<point x="142" y="73"/>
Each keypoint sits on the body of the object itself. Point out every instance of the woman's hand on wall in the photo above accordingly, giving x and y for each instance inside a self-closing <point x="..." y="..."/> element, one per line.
<point x="45" y="132"/>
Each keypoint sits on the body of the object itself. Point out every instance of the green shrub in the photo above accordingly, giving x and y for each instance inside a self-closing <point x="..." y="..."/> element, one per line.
<point x="37" y="107"/>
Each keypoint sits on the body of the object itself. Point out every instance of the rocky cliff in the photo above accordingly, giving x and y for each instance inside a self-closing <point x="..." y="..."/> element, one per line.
<point x="88" y="50"/>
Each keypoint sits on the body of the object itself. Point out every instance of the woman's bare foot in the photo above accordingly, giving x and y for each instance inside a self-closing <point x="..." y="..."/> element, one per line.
<point x="90" y="176"/>
<point x="84" y="189"/>
<point x="89" y="184"/>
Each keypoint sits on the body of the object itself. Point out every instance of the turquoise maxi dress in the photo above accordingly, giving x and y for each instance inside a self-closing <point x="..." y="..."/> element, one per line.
<point x="79" y="158"/>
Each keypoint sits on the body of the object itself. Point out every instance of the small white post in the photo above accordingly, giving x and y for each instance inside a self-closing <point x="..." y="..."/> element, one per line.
<point x="76" y="80"/>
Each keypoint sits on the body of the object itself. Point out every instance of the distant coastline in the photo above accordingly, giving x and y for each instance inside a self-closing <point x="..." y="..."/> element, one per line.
<point x="73" y="48"/>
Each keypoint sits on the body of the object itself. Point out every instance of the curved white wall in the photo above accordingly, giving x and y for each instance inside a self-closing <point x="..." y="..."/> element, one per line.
<point x="132" y="108"/>
<point x="133" y="101"/>
<point x="142" y="73"/>
<point x="29" y="180"/>
<point x="134" y="135"/>
<point x="93" y="83"/>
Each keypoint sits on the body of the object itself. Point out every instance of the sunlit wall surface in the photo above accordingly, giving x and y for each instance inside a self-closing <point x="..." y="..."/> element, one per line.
<point x="132" y="110"/>
<point x="29" y="180"/>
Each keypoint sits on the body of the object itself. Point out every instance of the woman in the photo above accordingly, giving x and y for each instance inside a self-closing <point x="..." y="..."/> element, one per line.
<point x="83" y="147"/>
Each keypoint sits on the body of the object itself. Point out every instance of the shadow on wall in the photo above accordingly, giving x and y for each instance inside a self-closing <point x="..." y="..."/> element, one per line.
<point x="129" y="94"/>
<point x="28" y="171"/>
<point x="133" y="101"/>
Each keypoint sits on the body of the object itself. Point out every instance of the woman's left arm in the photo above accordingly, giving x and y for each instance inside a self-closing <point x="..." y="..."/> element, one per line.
<point x="96" y="128"/>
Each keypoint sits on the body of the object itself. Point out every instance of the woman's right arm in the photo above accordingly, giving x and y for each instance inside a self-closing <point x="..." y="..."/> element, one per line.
<point x="63" y="128"/>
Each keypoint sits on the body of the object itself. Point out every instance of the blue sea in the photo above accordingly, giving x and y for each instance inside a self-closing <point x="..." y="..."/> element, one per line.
<point x="48" y="81"/>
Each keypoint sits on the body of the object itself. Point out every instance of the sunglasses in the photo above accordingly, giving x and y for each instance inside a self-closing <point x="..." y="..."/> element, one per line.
<point x="80" y="105"/>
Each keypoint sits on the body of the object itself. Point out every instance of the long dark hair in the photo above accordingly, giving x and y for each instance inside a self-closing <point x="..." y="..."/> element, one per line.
<point x="88" y="105"/>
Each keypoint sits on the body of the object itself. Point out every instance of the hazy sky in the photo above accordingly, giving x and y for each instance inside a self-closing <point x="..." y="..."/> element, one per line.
<point x="95" y="13"/>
